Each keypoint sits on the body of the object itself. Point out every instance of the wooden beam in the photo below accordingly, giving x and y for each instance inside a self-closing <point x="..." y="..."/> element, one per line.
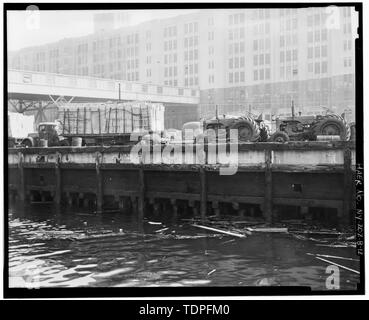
<point x="203" y="192"/>
<point x="58" y="184"/>
<point x="141" y="191"/>
<point x="99" y="183"/>
<point x="268" y="200"/>
<point x="21" y="188"/>
<point x="347" y="187"/>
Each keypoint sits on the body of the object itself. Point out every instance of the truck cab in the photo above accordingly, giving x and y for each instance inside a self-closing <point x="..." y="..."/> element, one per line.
<point x="47" y="131"/>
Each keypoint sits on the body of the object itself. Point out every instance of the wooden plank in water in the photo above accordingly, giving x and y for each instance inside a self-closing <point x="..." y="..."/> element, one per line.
<point x="220" y="231"/>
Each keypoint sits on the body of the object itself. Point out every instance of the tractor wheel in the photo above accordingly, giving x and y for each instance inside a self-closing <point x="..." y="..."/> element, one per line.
<point x="64" y="143"/>
<point x="248" y="130"/>
<point x="333" y="125"/>
<point x="26" y="143"/>
<point x="279" y="136"/>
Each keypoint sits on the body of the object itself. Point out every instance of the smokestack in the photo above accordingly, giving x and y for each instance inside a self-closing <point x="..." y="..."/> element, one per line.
<point x="293" y="109"/>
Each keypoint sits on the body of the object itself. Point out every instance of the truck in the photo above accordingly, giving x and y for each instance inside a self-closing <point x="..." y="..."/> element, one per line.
<point x="90" y="124"/>
<point x="19" y="127"/>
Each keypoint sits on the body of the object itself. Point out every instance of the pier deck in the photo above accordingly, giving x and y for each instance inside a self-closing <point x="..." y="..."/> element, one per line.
<point x="309" y="176"/>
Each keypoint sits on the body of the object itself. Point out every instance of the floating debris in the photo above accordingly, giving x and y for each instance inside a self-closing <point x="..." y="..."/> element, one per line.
<point x="338" y="265"/>
<point x="211" y="272"/>
<point x="220" y="231"/>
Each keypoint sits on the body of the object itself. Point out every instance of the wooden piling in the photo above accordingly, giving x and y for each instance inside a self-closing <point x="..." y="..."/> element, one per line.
<point x="22" y="185"/>
<point x="215" y="206"/>
<point x="99" y="184"/>
<point x="203" y="192"/>
<point x="174" y="208"/>
<point x="268" y="200"/>
<point x="58" y="183"/>
<point x="141" y="191"/>
<point x="347" y="187"/>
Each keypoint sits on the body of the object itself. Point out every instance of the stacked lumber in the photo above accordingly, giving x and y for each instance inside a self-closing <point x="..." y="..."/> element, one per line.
<point x="111" y="118"/>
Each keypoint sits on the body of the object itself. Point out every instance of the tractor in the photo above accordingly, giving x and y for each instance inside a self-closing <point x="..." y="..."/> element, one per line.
<point x="307" y="128"/>
<point x="250" y="128"/>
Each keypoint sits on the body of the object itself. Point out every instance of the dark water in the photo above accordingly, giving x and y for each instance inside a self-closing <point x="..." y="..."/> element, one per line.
<point x="72" y="249"/>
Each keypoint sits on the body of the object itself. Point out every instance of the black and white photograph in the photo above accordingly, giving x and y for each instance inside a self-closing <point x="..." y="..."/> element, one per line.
<point x="211" y="149"/>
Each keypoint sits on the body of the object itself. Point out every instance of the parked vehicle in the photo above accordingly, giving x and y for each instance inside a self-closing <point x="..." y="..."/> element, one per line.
<point x="90" y="124"/>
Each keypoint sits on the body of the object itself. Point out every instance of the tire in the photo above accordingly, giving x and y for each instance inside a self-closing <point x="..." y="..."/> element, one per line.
<point x="333" y="125"/>
<point x="26" y="143"/>
<point x="64" y="143"/>
<point x="248" y="130"/>
<point x="280" y="137"/>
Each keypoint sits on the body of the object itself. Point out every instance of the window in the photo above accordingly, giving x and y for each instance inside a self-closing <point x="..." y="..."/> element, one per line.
<point x="261" y="59"/>
<point x="236" y="77"/>
<point x="310" y="67"/>
<point x="310" y="52"/>
<point x="324" y="51"/>
<point x="255" y="60"/>
<point x="267" y="74"/>
<point x="324" y="67"/>
<point x="230" y="64"/>
<point x="294" y="55"/>
<point x="255" y="75"/>
<point x="324" y="34"/>
<point x="261" y="74"/>
<point x="236" y="62"/>
<point x="230" y="78"/>
<point x="267" y="58"/>
<point x="242" y="76"/>
<point x="281" y="41"/>
<point x="317" y="68"/>
<point x="317" y="52"/>
<point x="242" y="62"/>
<point x="310" y="36"/>
<point x="288" y="56"/>
<point x="317" y="35"/>
<point x="255" y="44"/>
<point x="281" y="55"/>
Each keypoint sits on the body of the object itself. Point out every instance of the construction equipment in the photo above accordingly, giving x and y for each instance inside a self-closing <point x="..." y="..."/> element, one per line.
<point x="249" y="127"/>
<point x="99" y="124"/>
<point x="307" y="128"/>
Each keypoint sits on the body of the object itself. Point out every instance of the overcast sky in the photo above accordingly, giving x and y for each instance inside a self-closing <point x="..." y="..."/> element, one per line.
<point x="30" y="28"/>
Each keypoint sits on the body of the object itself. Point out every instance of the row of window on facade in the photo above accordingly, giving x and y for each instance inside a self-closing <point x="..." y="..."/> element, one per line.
<point x="318" y="67"/>
<point x="170" y="71"/>
<point x="235" y="34"/>
<point x="170" y="31"/>
<point x="288" y="40"/>
<point x="236" y="77"/>
<point x="317" y="52"/>
<point x="191" y="27"/>
<point x="237" y="47"/>
<point x="132" y="38"/>
<point x="132" y="51"/>
<point x="192" y="81"/>
<point x="262" y="74"/>
<point x="132" y="64"/>
<point x="259" y="44"/>
<point x="318" y="35"/>
<point x="236" y="62"/>
<point x="170" y="45"/>
<point x="170" y="58"/>
<point x="191" y="55"/>
<point x="236" y="18"/>
<point x="288" y="25"/>
<point x="191" y="41"/>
